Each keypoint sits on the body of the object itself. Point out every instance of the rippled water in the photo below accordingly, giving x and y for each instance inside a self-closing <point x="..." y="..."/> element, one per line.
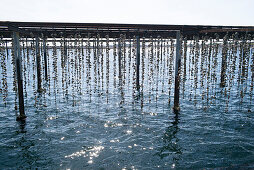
<point x="95" y="134"/>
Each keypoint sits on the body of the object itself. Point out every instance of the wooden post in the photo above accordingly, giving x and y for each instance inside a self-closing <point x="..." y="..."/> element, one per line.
<point x="65" y="51"/>
<point x="223" y="63"/>
<point x="65" y="48"/>
<point x="138" y="63"/>
<point x="97" y="49"/>
<point x="45" y="59"/>
<point x="82" y="46"/>
<point x="177" y="76"/>
<point x="17" y="56"/>
<point x="7" y="52"/>
<point x="161" y="49"/>
<point x="119" y="59"/>
<point x="38" y="64"/>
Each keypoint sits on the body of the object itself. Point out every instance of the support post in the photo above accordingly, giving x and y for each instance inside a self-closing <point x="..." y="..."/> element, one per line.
<point x="17" y="56"/>
<point x="7" y="52"/>
<point x="138" y="63"/>
<point x="82" y="46"/>
<point x="45" y="59"/>
<point x="177" y="76"/>
<point x="119" y="59"/>
<point x="65" y="48"/>
<point x="223" y="63"/>
<point x="38" y="64"/>
<point x="65" y="51"/>
<point x="161" y="49"/>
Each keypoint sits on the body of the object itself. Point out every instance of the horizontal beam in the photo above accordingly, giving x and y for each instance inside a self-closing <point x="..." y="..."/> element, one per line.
<point x="113" y="25"/>
<point x="58" y="30"/>
<point x="16" y="29"/>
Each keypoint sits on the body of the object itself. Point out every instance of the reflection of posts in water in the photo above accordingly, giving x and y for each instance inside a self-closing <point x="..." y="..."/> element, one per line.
<point x="170" y="142"/>
<point x="22" y="125"/>
<point x="27" y="155"/>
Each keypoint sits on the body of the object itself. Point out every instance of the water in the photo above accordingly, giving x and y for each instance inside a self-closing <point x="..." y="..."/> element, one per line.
<point x="81" y="126"/>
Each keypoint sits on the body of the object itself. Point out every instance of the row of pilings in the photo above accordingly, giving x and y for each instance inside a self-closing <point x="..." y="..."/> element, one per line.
<point x="201" y="69"/>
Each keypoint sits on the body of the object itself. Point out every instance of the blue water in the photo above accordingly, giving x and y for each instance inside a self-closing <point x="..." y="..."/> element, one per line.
<point x="84" y="131"/>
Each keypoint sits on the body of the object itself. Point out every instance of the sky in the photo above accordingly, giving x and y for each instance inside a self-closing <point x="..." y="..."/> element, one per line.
<point x="187" y="12"/>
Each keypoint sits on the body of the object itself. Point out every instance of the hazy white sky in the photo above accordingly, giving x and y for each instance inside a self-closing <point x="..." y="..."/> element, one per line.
<point x="207" y="12"/>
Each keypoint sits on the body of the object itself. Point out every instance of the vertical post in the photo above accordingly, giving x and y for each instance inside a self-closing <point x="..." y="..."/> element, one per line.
<point x="17" y="56"/>
<point x="65" y="48"/>
<point x="38" y="64"/>
<point x="120" y="68"/>
<point x="223" y="63"/>
<point x="184" y="63"/>
<point x="82" y="46"/>
<point x="119" y="59"/>
<point x="65" y="51"/>
<point x="27" y="48"/>
<point x="138" y="63"/>
<point x="177" y="76"/>
<point x="7" y="52"/>
<point x="45" y="59"/>
<point x="161" y="49"/>
<point x="97" y="48"/>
